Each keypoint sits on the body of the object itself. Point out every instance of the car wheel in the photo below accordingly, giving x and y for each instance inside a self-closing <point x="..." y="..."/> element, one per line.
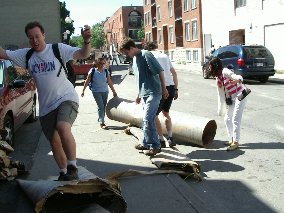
<point x="32" y="117"/>
<point x="205" y="72"/>
<point x="263" y="80"/>
<point x="9" y="126"/>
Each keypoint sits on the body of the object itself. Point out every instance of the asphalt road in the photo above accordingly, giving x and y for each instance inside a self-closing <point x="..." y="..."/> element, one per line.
<point x="253" y="175"/>
<point x="251" y="178"/>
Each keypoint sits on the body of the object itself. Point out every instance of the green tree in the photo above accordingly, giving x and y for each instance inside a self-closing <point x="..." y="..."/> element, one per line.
<point x="76" y="41"/>
<point x="141" y="32"/>
<point x="65" y="26"/>
<point x="98" y="36"/>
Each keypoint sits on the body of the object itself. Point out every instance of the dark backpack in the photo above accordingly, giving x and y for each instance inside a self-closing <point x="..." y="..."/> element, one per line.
<point x="92" y="74"/>
<point x="68" y="68"/>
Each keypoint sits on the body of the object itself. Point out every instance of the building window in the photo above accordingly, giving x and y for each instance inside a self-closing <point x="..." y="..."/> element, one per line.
<point x="145" y="19"/>
<point x="134" y="19"/>
<point x="185" y="6"/>
<point x="159" y="37"/>
<point x="193" y="4"/>
<point x="188" y="55"/>
<point x="187" y="31"/>
<point x="149" y="36"/>
<point x="172" y="55"/>
<point x="170" y="7"/>
<point x="195" y="55"/>
<point x="146" y="2"/>
<point x="241" y="3"/>
<point x="159" y="13"/>
<point x="149" y="18"/>
<point x="171" y="34"/>
<point x="194" y="30"/>
<point x="133" y="34"/>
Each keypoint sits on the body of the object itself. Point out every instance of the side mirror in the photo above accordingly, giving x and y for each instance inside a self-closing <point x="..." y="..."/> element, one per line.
<point x="207" y="57"/>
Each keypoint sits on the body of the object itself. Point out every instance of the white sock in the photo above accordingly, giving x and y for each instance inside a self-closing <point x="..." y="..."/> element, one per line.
<point x="161" y="137"/>
<point x="170" y="133"/>
<point x="72" y="162"/>
<point x="63" y="170"/>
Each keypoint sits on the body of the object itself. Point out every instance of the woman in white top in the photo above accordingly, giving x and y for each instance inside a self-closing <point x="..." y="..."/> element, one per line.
<point x="229" y="88"/>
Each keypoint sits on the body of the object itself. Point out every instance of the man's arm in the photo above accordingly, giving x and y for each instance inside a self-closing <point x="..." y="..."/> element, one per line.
<point x="165" y="92"/>
<point x="84" y="52"/>
<point x="3" y="54"/>
<point x="174" y="74"/>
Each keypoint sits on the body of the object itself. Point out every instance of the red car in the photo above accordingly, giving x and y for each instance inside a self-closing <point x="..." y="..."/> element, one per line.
<point x="17" y="98"/>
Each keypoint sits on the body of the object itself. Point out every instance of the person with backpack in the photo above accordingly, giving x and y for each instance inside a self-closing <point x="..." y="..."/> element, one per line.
<point x="58" y="100"/>
<point x="98" y="81"/>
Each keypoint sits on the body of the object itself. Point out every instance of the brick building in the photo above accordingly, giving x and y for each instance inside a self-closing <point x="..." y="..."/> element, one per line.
<point x="176" y="26"/>
<point x="14" y="15"/>
<point x="125" y="22"/>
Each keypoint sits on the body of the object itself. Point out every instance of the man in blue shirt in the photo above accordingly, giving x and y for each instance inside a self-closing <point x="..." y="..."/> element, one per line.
<point x="151" y="83"/>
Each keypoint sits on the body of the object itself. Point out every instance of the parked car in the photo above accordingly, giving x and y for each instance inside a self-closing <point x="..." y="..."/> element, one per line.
<point x="17" y="98"/>
<point x="250" y="61"/>
<point x="82" y="69"/>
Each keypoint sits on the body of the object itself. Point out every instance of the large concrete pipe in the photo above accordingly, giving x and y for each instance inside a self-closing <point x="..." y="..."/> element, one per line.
<point x="186" y="128"/>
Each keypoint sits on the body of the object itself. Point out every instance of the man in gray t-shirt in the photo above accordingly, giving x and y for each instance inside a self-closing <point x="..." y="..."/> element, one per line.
<point x="151" y="85"/>
<point x="58" y="100"/>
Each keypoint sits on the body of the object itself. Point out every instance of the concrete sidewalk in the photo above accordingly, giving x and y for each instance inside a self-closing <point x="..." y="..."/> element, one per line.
<point x="105" y="151"/>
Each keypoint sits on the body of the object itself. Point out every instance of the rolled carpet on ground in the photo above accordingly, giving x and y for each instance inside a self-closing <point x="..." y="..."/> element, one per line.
<point x="187" y="128"/>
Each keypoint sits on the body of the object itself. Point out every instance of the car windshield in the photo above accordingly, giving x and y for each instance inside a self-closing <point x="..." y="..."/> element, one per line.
<point x="256" y="52"/>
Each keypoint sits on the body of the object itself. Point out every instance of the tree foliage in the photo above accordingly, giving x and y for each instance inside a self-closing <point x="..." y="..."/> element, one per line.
<point x="141" y="32"/>
<point x="76" y="41"/>
<point x="98" y="36"/>
<point x="97" y="39"/>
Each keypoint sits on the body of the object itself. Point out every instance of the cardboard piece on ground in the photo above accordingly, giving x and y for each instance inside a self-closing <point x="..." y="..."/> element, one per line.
<point x="170" y="159"/>
<point x="89" y="191"/>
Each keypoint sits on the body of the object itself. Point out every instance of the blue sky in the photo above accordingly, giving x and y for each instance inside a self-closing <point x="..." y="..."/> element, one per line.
<point x="94" y="11"/>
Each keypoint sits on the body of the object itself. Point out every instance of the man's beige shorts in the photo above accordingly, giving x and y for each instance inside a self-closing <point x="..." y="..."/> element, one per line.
<point x="66" y="111"/>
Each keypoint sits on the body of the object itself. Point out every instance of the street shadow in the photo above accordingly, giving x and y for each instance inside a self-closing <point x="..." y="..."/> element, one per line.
<point x="215" y="154"/>
<point x="121" y="67"/>
<point x="117" y="127"/>
<point x="232" y="196"/>
<point x="117" y="78"/>
<point x="270" y="82"/>
<point x="261" y="145"/>
<point x="218" y="166"/>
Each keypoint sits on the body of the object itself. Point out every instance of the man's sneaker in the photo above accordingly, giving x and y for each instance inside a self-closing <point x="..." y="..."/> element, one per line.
<point x="61" y="176"/>
<point x="171" y="142"/>
<point x="163" y="144"/>
<point x="72" y="174"/>
<point x="141" y="147"/>
<point x="153" y="151"/>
